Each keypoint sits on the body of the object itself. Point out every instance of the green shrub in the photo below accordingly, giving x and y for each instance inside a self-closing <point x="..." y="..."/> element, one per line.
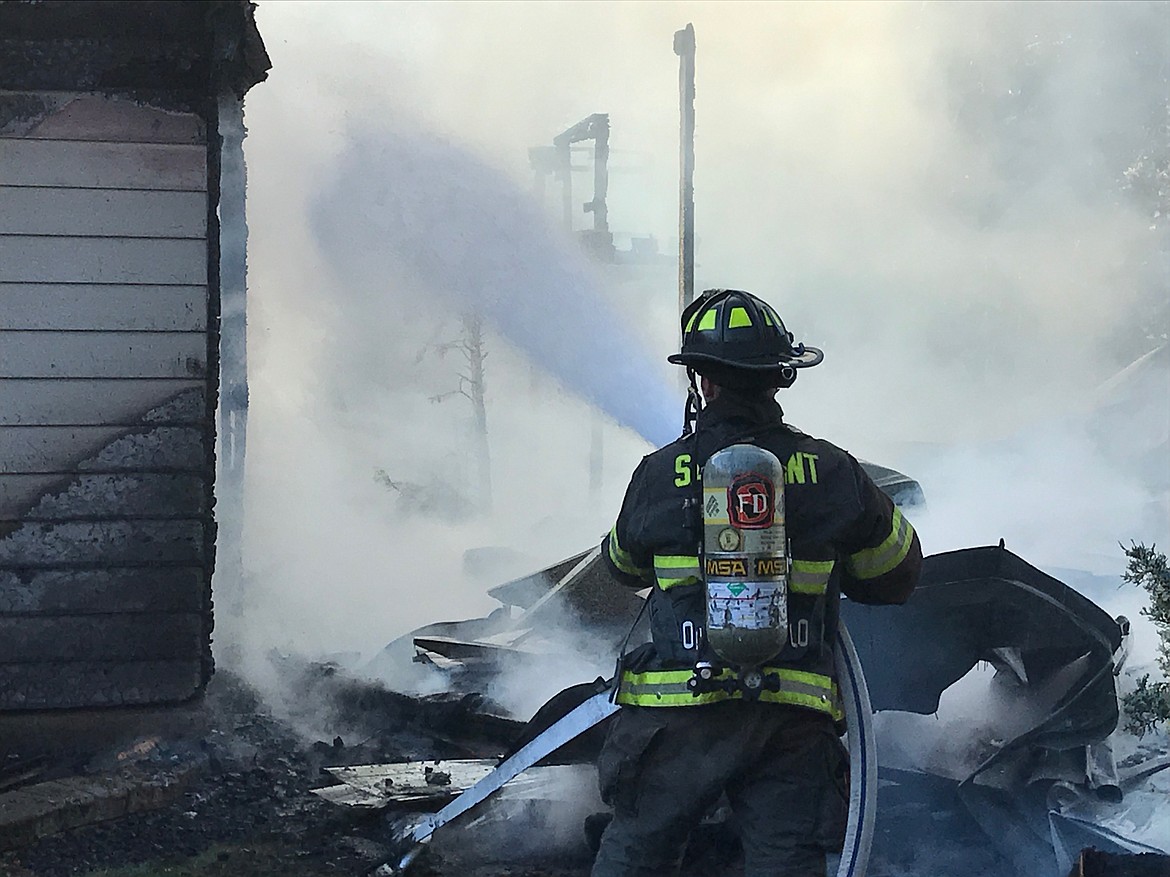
<point x="1148" y="705"/>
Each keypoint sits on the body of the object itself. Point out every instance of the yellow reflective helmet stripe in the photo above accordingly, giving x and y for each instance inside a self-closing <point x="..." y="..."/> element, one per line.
<point x="708" y="321"/>
<point x="665" y="688"/>
<point x="673" y="570"/>
<point x="738" y="319"/>
<point x="869" y="563"/>
<point x="622" y="559"/>
<point x="810" y="576"/>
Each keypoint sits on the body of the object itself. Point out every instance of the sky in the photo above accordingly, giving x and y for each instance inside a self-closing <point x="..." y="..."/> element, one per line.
<point x="932" y="193"/>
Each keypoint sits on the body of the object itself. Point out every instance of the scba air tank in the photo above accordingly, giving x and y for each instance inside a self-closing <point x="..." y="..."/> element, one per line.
<point x="745" y="555"/>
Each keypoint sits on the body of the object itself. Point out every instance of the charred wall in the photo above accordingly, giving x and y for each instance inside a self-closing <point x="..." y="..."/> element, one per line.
<point x="109" y="339"/>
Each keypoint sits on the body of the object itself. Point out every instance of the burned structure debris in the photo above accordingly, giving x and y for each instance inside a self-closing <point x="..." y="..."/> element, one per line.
<point x="113" y="280"/>
<point x="1028" y="781"/>
<point x="121" y="339"/>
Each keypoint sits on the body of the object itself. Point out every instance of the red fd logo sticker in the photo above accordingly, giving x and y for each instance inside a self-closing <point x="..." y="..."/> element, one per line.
<point x="751" y="502"/>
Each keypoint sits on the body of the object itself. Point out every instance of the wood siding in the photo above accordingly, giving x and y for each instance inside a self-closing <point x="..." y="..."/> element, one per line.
<point x="107" y="382"/>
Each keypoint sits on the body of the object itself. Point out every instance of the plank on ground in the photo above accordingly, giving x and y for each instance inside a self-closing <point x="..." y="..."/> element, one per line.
<point x="405" y="782"/>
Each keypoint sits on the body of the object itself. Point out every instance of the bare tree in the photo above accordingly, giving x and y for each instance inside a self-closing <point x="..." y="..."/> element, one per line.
<point x="471" y="386"/>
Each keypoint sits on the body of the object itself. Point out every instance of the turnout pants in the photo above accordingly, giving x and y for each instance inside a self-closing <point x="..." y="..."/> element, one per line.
<point x="782" y="768"/>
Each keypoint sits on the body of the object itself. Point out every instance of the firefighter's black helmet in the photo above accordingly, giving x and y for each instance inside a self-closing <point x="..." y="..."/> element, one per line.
<point x="737" y="340"/>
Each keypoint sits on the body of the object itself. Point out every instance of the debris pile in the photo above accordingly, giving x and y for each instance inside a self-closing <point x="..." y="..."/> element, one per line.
<point x="1024" y="784"/>
<point x="228" y="790"/>
<point x="1021" y="786"/>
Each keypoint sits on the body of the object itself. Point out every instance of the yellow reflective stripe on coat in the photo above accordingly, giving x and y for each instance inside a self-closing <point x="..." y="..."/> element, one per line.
<point x="662" y="688"/>
<point x="869" y="563"/>
<point x="673" y="570"/>
<point x="810" y="576"/>
<point x="622" y="559"/>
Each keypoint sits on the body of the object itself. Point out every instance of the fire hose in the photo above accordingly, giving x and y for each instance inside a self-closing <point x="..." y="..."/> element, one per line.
<point x="862" y="768"/>
<point x="862" y="757"/>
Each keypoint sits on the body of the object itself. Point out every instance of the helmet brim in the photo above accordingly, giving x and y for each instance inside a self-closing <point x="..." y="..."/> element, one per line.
<point x="809" y="357"/>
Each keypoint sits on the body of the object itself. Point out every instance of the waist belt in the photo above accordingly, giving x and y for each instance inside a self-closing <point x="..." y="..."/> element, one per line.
<point x="669" y="688"/>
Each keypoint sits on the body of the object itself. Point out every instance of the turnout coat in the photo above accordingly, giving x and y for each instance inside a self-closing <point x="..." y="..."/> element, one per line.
<point x="845" y="536"/>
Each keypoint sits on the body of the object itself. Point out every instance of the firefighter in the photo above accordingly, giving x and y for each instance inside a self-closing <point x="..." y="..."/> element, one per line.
<point x="678" y="745"/>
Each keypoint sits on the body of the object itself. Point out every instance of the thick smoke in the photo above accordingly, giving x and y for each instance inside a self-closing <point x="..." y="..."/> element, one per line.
<point x="937" y="194"/>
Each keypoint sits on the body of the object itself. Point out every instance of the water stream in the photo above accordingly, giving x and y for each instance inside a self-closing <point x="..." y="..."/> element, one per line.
<point x="411" y="205"/>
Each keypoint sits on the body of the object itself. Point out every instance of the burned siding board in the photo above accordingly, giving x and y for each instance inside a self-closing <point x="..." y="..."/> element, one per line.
<point x="51" y="449"/>
<point x="130" y="495"/>
<point x="54" y="115"/>
<point x="40" y="259"/>
<point x="92" y="165"/>
<point x="20" y="491"/>
<point x="61" y="685"/>
<point x="165" y="448"/>
<point x="103" y="543"/>
<point x="43" y="210"/>
<point x="111" y="637"/>
<point x="133" y="495"/>
<point x="177" y="47"/>
<point x="103" y="307"/>
<point x="54" y="450"/>
<point x="57" y="592"/>
<point x="102" y="354"/>
<point x="90" y="402"/>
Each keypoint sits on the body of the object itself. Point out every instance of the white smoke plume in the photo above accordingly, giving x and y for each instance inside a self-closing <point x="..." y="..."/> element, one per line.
<point x="934" y="193"/>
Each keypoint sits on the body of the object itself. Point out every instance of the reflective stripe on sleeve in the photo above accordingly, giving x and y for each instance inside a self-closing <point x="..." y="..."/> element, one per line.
<point x="622" y="559"/>
<point x="869" y="563"/>
<point x="810" y="576"/>
<point x="673" y="570"/>
<point x="665" y="688"/>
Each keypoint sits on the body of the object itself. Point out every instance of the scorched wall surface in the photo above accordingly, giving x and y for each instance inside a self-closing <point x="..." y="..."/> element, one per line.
<point x="107" y="389"/>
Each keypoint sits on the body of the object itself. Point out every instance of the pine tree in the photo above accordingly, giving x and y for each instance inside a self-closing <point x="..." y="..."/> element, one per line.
<point x="1148" y="705"/>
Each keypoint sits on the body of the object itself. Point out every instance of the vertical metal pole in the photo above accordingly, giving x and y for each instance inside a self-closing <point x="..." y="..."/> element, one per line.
<point x="684" y="47"/>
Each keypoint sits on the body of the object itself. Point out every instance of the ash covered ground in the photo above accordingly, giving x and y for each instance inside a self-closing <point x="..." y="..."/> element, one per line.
<point x="249" y="763"/>
<point x="247" y="809"/>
